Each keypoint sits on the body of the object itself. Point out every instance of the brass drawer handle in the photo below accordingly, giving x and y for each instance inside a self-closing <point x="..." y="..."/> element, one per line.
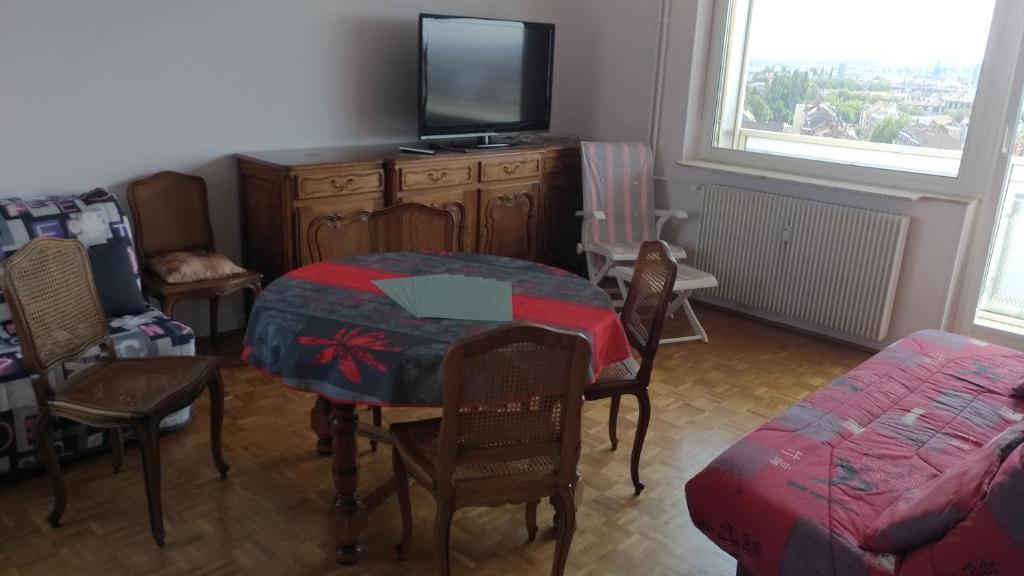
<point x="511" y="169"/>
<point x="435" y="177"/>
<point x="348" y="183"/>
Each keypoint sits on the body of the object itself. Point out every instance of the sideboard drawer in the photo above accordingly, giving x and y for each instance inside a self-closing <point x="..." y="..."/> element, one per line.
<point x="436" y="176"/>
<point x="336" y="184"/>
<point x="510" y="167"/>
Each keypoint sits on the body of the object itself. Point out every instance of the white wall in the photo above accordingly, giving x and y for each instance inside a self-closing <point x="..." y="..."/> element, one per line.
<point x="936" y="226"/>
<point x="606" y="68"/>
<point x="101" y="92"/>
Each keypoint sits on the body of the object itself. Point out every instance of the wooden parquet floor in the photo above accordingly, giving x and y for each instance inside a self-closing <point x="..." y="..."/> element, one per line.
<point x="269" y="516"/>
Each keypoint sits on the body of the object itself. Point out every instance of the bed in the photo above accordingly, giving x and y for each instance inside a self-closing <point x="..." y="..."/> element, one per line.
<point x="910" y="464"/>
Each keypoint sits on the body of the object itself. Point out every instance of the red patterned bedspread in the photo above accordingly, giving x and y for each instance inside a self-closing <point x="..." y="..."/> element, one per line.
<point x="797" y="496"/>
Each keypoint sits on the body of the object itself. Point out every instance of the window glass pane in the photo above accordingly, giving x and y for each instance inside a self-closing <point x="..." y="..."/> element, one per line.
<point x="878" y="83"/>
<point x="1002" y="297"/>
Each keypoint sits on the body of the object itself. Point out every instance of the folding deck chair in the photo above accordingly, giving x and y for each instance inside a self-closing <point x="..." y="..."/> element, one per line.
<point x="619" y="215"/>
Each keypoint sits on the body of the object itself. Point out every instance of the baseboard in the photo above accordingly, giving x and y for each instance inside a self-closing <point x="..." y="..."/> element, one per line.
<point x="873" y="349"/>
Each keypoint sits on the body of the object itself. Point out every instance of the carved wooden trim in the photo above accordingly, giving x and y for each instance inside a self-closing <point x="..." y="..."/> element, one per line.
<point x="437" y="177"/>
<point x="509" y="201"/>
<point x="458" y="211"/>
<point x="341" y="183"/>
<point x="334" y="221"/>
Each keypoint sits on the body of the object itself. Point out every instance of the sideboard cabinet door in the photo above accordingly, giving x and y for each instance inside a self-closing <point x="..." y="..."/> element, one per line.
<point x="509" y="220"/>
<point x="304" y="215"/>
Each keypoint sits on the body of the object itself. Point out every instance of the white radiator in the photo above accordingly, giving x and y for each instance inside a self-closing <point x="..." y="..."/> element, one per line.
<point x="811" y="264"/>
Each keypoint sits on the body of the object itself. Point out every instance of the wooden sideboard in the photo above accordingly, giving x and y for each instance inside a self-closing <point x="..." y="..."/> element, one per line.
<point x="518" y="202"/>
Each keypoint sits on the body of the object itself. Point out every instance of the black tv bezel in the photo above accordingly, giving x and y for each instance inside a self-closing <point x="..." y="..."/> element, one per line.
<point x="479" y="130"/>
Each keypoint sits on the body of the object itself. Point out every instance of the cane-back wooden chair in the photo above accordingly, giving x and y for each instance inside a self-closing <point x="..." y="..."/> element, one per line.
<point x="509" y="432"/>
<point x="49" y="287"/>
<point x="409" y="227"/>
<point x="334" y="236"/>
<point x="171" y="215"/>
<point x="330" y="237"/>
<point x="643" y="316"/>
<point x="412" y="227"/>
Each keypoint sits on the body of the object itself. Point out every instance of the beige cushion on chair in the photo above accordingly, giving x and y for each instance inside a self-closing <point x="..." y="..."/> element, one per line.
<point x="186" y="267"/>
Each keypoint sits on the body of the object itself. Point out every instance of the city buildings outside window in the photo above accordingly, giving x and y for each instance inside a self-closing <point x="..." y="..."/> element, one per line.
<point x="868" y="83"/>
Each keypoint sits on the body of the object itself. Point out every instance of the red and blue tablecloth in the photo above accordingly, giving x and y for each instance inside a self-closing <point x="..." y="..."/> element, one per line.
<point x="326" y="328"/>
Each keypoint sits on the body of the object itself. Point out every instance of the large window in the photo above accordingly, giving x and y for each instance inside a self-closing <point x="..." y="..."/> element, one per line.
<point x="895" y="85"/>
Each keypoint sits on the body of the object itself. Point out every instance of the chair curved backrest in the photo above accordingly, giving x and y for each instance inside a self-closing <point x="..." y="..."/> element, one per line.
<point x="412" y="227"/>
<point x="650" y="291"/>
<point x="618" y="179"/>
<point x="49" y="287"/>
<point x="511" y="395"/>
<point x="334" y="236"/>
<point x="171" y="214"/>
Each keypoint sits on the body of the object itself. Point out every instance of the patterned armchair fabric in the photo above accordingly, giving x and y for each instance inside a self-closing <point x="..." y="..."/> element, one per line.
<point x="93" y="218"/>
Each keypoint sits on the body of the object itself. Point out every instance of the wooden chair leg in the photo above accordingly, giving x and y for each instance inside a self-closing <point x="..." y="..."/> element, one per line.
<point x="378" y="419"/>
<point x="404" y="504"/>
<point x="117" y="444"/>
<point x="638" y="441"/>
<point x="577" y="497"/>
<point x="250" y="295"/>
<point x="167" y="307"/>
<point x="147" y="433"/>
<point x="216" y="390"/>
<point x="531" y="519"/>
<point x="577" y="490"/>
<point x="48" y="454"/>
<point x="442" y="534"/>
<point x="613" y="422"/>
<point x="566" y="528"/>
<point x="214" y="316"/>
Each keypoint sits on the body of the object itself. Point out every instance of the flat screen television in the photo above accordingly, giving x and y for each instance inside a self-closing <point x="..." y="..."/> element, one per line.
<point x="482" y="77"/>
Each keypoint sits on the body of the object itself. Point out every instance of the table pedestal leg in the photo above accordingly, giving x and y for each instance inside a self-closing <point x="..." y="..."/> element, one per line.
<point x="320" y="422"/>
<point x="348" y="516"/>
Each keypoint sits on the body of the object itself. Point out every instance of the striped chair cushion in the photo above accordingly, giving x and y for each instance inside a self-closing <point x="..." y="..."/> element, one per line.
<point x="618" y="179"/>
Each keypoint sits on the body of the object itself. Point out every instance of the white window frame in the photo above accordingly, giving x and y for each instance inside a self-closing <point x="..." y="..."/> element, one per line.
<point x="987" y="142"/>
<point x="980" y="237"/>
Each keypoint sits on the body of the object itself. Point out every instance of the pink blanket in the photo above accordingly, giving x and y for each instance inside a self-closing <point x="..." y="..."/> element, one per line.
<point x="799" y="495"/>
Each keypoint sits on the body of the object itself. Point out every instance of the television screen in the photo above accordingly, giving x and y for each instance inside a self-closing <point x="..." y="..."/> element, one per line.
<point x="480" y="77"/>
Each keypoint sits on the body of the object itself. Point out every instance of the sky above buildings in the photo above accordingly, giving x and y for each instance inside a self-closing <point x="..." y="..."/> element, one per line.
<point x="892" y="32"/>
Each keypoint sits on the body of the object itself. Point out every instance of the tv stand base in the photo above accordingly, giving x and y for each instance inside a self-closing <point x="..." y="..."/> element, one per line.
<point x="482" y="142"/>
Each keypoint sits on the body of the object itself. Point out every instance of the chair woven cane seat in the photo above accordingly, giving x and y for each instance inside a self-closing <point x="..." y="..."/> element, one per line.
<point x="419" y="439"/>
<point x="625" y="370"/>
<point x="135" y="386"/>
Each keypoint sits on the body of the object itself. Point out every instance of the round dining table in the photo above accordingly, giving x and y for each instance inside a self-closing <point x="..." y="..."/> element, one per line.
<point x="327" y="329"/>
